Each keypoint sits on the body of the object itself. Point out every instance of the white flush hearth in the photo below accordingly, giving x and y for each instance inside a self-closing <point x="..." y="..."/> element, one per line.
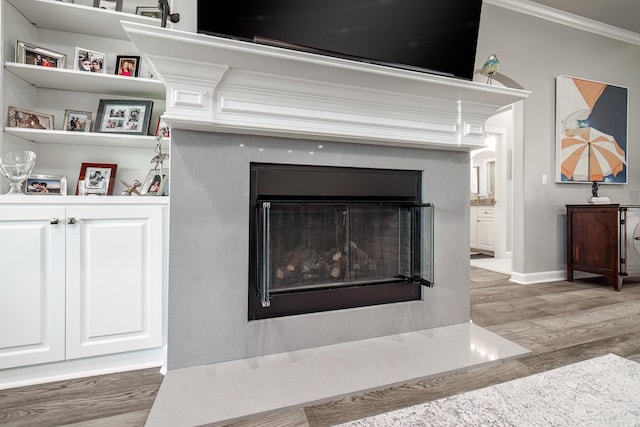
<point x="231" y="103"/>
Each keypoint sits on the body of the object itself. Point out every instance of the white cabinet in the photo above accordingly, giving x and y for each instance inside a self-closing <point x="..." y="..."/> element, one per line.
<point x="81" y="281"/>
<point x="482" y="229"/>
<point x="32" y="288"/>
<point x="87" y="294"/>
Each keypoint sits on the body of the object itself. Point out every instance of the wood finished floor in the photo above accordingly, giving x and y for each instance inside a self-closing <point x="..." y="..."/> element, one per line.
<point x="560" y="322"/>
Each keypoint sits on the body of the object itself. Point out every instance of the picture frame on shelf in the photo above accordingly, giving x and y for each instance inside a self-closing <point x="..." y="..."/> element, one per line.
<point x="41" y="185"/>
<point x="27" y="53"/>
<point x="123" y="116"/>
<point x="90" y="61"/>
<point x="149" y="11"/>
<point x="114" y="5"/>
<point x="128" y="65"/>
<point x="98" y="178"/>
<point x="156" y="183"/>
<point x="77" y="121"/>
<point x="19" y="118"/>
<point x="162" y="129"/>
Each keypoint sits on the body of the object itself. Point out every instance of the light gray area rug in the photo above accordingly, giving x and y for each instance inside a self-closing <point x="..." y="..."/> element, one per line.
<point x="604" y="391"/>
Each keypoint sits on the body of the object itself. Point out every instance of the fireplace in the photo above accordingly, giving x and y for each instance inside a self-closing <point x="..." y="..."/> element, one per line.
<point x="231" y="105"/>
<point x="328" y="238"/>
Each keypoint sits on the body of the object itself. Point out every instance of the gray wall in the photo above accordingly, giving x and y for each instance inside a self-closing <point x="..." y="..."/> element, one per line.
<point x="209" y="248"/>
<point x="533" y="51"/>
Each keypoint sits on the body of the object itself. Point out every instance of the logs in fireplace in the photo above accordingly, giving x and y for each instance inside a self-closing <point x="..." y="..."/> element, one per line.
<point x="328" y="238"/>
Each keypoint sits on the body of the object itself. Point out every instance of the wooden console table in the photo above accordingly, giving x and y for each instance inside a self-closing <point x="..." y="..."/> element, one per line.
<point x="593" y="241"/>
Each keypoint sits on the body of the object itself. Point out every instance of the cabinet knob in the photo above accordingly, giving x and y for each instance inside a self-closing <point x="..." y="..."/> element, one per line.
<point x="54" y="221"/>
<point x="71" y="221"/>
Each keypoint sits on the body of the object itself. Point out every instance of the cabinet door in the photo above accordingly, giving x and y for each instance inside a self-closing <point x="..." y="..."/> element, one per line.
<point x="32" y="285"/>
<point x="114" y="279"/>
<point x="485" y="218"/>
<point x="485" y="234"/>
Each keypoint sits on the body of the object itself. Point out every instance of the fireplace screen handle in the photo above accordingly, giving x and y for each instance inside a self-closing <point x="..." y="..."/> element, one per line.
<point x="265" y="279"/>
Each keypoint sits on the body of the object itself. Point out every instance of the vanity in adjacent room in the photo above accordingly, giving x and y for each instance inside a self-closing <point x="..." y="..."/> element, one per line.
<point x="482" y="200"/>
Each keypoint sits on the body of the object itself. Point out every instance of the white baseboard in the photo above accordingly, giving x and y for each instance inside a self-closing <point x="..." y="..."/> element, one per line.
<point x="546" y="276"/>
<point x="538" y="277"/>
<point x="80" y="368"/>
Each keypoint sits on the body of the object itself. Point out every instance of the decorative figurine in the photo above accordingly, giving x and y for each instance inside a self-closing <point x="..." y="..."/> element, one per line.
<point x="133" y="188"/>
<point x="594" y="189"/>
<point x="160" y="157"/>
<point x="490" y="67"/>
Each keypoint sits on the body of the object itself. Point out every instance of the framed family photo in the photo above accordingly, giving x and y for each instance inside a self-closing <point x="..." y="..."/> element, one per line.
<point x="128" y="66"/>
<point x="37" y="184"/>
<point x="162" y="129"/>
<point x="29" y="119"/>
<point x="98" y="178"/>
<point x="90" y="61"/>
<point x="156" y="183"/>
<point x="115" y="5"/>
<point x="27" y="53"/>
<point x="77" y="121"/>
<point x="123" y="116"/>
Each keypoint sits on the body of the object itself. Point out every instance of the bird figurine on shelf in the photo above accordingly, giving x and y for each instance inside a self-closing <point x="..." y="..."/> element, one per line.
<point x="490" y="67"/>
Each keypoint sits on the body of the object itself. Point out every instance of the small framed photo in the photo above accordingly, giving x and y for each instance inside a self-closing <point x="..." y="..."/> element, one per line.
<point x="123" y="116"/>
<point x="115" y="5"/>
<point x="90" y="61"/>
<point x="29" y="119"/>
<point x="156" y="183"/>
<point x="128" y="66"/>
<point x="162" y="129"/>
<point x="99" y="178"/>
<point x="77" y="121"/>
<point x="150" y="11"/>
<point x="27" y="53"/>
<point x="41" y="185"/>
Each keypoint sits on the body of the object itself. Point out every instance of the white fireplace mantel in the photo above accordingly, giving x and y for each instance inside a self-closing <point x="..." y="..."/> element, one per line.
<point x="225" y="85"/>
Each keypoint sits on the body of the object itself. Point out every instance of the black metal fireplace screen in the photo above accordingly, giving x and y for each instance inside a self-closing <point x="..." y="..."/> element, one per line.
<point x="310" y="245"/>
<point x="326" y="238"/>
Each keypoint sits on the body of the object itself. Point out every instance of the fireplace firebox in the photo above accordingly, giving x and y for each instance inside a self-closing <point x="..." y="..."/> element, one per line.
<point x="328" y="238"/>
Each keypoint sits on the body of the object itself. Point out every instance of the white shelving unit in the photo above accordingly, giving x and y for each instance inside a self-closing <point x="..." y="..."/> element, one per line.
<point x="61" y="27"/>
<point x="137" y="280"/>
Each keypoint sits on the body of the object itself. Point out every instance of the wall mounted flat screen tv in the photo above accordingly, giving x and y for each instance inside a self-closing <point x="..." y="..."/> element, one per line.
<point x="435" y="36"/>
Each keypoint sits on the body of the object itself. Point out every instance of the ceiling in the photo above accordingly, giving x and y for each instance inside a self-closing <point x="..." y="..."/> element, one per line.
<point x="618" y="13"/>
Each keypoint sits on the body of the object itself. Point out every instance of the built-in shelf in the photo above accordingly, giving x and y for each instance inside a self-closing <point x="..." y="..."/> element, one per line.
<point x="33" y="199"/>
<point x="73" y="80"/>
<point x="76" y="18"/>
<point x="85" y="138"/>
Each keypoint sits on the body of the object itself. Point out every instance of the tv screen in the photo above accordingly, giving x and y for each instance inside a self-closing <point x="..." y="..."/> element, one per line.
<point x="436" y="36"/>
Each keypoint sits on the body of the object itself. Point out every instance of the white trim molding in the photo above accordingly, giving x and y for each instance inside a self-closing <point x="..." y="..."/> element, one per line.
<point x="225" y="85"/>
<point x="565" y="18"/>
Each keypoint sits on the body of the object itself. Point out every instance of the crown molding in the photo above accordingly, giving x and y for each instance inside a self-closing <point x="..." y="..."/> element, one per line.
<point x="568" y="19"/>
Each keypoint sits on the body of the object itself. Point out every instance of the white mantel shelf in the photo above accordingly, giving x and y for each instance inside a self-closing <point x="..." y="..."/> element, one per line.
<point x="225" y="85"/>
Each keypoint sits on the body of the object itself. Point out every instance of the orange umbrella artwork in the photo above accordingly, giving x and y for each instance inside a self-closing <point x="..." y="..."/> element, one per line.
<point x="590" y="155"/>
<point x="592" y="115"/>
